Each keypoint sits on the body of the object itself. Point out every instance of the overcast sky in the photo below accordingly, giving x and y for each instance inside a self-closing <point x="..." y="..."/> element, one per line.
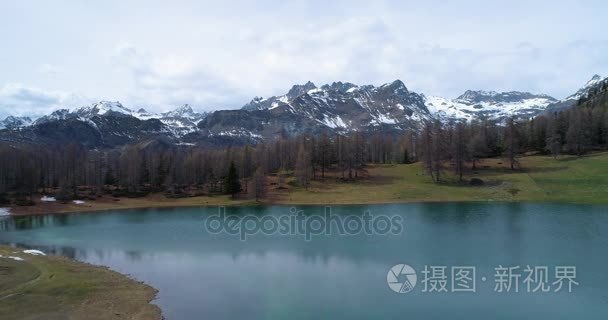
<point x="220" y="54"/>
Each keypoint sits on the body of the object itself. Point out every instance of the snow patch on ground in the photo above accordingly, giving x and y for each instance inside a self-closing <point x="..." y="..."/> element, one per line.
<point x="48" y="199"/>
<point x="78" y="202"/>
<point x="34" y="252"/>
<point x="12" y="257"/>
<point x="5" y="212"/>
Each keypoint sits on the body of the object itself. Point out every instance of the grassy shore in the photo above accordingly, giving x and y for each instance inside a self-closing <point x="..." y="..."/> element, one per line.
<point x="540" y="179"/>
<point x="107" y="202"/>
<point x="50" y="287"/>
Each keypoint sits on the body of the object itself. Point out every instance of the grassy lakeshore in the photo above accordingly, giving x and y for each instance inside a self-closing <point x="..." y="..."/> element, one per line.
<point x="541" y="179"/>
<point x="51" y="287"/>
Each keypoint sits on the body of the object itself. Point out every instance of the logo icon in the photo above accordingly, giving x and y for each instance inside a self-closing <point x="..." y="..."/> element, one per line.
<point x="401" y="278"/>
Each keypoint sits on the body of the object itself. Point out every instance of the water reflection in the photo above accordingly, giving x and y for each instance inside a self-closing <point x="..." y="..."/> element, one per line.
<point x="201" y="275"/>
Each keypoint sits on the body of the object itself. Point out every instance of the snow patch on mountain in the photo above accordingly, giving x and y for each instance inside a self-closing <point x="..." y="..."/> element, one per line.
<point x="306" y="108"/>
<point x="346" y="106"/>
<point x="488" y="104"/>
<point x="335" y="122"/>
<point x="12" y="122"/>
<point x="178" y="122"/>
<point x="182" y="120"/>
<point x="594" y="81"/>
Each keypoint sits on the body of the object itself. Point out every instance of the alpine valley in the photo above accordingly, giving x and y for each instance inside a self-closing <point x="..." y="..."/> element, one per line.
<point x="339" y="107"/>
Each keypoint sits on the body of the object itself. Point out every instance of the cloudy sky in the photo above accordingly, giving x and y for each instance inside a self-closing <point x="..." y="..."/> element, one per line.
<point x="220" y="54"/>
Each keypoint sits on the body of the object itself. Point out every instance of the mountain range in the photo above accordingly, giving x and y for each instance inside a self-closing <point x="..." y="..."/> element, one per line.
<point x="334" y="108"/>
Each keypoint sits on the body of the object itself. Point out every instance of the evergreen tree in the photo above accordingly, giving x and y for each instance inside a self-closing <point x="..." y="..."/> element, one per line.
<point x="109" y="179"/>
<point x="406" y="156"/>
<point x="232" y="184"/>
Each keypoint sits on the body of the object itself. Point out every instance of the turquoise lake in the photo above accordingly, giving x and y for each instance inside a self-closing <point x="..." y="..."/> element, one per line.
<point x="201" y="275"/>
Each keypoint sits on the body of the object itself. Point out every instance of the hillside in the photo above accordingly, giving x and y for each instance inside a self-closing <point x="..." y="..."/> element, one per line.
<point x="597" y="97"/>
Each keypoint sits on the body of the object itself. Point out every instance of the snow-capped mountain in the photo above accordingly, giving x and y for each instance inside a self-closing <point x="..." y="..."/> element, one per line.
<point x="12" y="122"/>
<point x="88" y="112"/>
<point x="572" y="99"/>
<point x="334" y="108"/>
<point x="101" y="108"/>
<point x="343" y="106"/>
<point x="178" y="122"/>
<point x="103" y="124"/>
<point x="347" y="106"/>
<point x="584" y="91"/>
<point x="182" y="120"/>
<point x="488" y="104"/>
<point x="60" y="114"/>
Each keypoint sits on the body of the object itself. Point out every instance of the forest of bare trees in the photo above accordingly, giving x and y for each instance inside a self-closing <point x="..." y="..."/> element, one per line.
<point x="159" y="166"/>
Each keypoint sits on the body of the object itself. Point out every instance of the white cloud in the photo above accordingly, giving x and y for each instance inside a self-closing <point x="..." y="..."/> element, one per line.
<point x="174" y="79"/>
<point x="19" y="100"/>
<point x="213" y="55"/>
<point x="50" y="70"/>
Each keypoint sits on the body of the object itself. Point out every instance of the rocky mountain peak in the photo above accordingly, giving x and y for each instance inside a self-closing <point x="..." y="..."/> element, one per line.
<point x="583" y="91"/>
<point x="397" y="87"/>
<point x="339" y="107"/>
<point x="298" y="90"/>
<point x="186" y="108"/>
<point x="13" y="122"/>
<point x="493" y="97"/>
<point x="339" y="86"/>
<point x="103" y="107"/>
<point x="476" y="95"/>
<point x="254" y="104"/>
<point x="182" y="111"/>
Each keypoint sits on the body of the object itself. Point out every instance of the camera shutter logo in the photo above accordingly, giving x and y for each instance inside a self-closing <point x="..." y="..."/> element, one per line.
<point x="401" y="278"/>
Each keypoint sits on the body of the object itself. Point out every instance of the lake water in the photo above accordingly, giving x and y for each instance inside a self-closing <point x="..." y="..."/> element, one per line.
<point x="217" y="276"/>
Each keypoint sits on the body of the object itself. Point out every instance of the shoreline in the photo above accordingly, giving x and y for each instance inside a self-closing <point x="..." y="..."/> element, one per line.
<point x="249" y="203"/>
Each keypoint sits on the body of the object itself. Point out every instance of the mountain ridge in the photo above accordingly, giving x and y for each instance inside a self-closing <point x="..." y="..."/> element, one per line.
<point x="338" y="107"/>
